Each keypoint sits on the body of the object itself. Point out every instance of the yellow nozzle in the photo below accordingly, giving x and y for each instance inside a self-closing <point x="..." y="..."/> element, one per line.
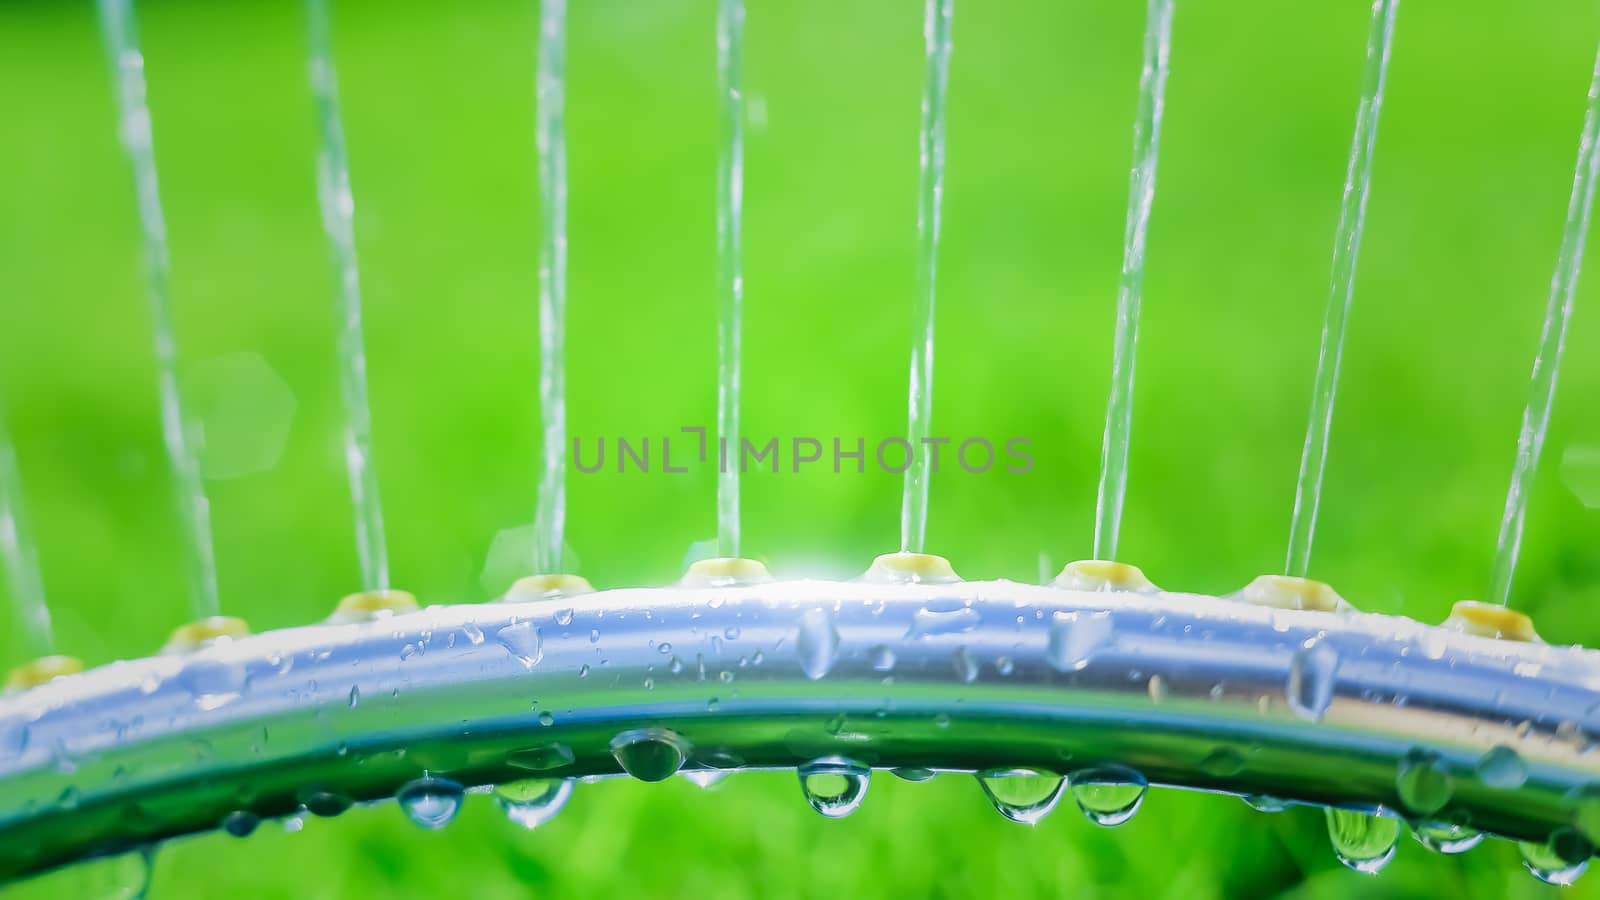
<point x="205" y="632"/>
<point x="1103" y="575"/>
<point x="43" y="670"/>
<point x="1290" y="592"/>
<point x="725" y="571"/>
<point x="1489" y="620"/>
<point x="910" y="568"/>
<point x="369" y="605"/>
<point x="546" y="587"/>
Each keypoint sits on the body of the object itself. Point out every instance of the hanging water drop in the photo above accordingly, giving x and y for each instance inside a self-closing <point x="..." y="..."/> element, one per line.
<point x="240" y="823"/>
<point x="430" y="802"/>
<point x="913" y="773"/>
<point x="1362" y="842"/>
<point x="1423" y="783"/>
<point x="1109" y="795"/>
<point x="1560" y="860"/>
<point x="534" y="801"/>
<point x="1022" y="795"/>
<point x="326" y="804"/>
<point x="833" y="785"/>
<point x="817" y="643"/>
<point x="704" y="778"/>
<point x="1265" y="803"/>
<point x="1444" y="837"/>
<point x="650" y="754"/>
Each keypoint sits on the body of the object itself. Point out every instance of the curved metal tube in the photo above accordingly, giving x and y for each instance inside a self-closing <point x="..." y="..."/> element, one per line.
<point x="1188" y="690"/>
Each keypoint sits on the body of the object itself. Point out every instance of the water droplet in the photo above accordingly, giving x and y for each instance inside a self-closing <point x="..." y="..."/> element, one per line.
<point x="882" y="658"/>
<point x="1502" y="767"/>
<point x="1588" y="817"/>
<point x="547" y="718"/>
<point x="473" y="632"/>
<point x="650" y="754"/>
<point x="13" y="737"/>
<point x="325" y="803"/>
<point x="1423" y="783"/>
<point x="1558" y="861"/>
<point x="1022" y="795"/>
<point x="534" y="801"/>
<point x="1362" y="842"/>
<point x="1223" y="762"/>
<point x="913" y="773"/>
<point x="213" y="683"/>
<point x="704" y="778"/>
<point x="1108" y="795"/>
<point x="731" y="632"/>
<point x="430" y="802"/>
<point x="926" y="622"/>
<point x="713" y="705"/>
<point x="1265" y="803"/>
<point x="1075" y="637"/>
<point x="542" y="758"/>
<point x="523" y="641"/>
<point x="817" y="643"/>
<point x="1004" y="665"/>
<point x="1156" y="688"/>
<point x="833" y="785"/>
<point x="564" y="616"/>
<point x="966" y="667"/>
<point x="1444" y="837"/>
<point x="355" y="696"/>
<point x="240" y="823"/>
<point x="1311" y="679"/>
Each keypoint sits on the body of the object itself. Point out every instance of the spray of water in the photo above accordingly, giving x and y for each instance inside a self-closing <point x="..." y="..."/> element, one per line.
<point x="550" y="519"/>
<point x="1346" y="246"/>
<point x="17" y="555"/>
<point x="1141" y="197"/>
<point x="1558" y="312"/>
<point x="133" y="110"/>
<point x="930" y="197"/>
<point x="338" y="222"/>
<point x="730" y="276"/>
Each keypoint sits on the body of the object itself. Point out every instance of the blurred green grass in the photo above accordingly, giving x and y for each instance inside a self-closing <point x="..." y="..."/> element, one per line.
<point x="1473" y="170"/>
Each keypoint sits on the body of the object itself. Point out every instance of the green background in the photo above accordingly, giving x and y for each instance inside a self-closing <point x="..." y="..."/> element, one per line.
<point x="1472" y="176"/>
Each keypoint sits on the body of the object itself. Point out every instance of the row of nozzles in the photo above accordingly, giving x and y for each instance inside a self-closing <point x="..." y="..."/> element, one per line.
<point x="1092" y="575"/>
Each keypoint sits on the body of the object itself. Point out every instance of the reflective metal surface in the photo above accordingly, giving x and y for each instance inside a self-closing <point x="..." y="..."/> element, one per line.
<point x="1320" y="707"/>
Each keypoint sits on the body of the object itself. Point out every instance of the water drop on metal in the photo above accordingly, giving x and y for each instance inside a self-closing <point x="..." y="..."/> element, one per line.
<point x="650" y="754"/>
<point x="1108" y="795"/>
<point x="430" y="802"/>
<point x="534" y="801"/>
<point x="1022" y="795"/>
<point x="834" y="786"/>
